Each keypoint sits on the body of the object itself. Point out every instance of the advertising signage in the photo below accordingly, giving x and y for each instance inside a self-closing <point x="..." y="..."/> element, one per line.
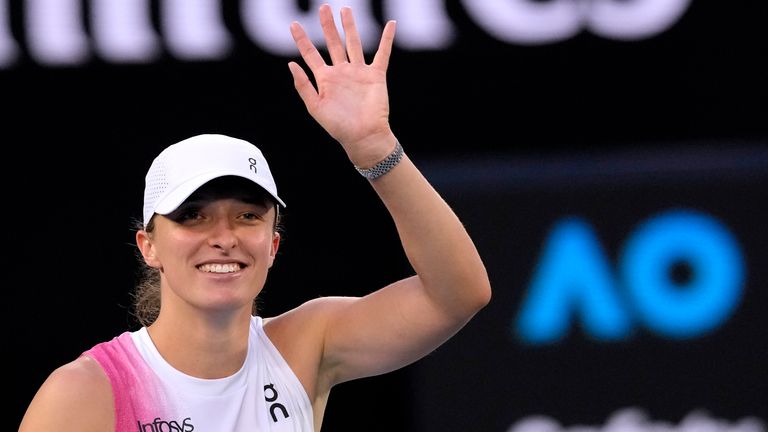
<point x="608" y="158"/>
<point x="628" y="295"/>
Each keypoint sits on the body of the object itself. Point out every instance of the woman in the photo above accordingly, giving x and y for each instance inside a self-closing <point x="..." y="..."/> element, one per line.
<point x="203" y="361"/>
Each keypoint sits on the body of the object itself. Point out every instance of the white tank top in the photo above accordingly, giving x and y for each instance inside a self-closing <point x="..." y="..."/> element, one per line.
<point x="152" y="396"/>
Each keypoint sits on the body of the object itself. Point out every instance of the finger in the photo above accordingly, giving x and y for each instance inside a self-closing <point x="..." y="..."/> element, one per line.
<point x="307" y="49"/>
<point x="304" y="87"/>
<point x="332" y="39"/>
<point x="381" y="59"/>
<point x="354" y="46"/>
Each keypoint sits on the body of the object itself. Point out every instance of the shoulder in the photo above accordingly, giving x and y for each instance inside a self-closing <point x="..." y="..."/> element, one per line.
<point x="299" y="335"/>
<point x="75" y="396"/>
<point x="316" y="312"/>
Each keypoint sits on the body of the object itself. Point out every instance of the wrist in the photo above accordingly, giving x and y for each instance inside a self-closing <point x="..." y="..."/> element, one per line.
<point x="383" y="166"/>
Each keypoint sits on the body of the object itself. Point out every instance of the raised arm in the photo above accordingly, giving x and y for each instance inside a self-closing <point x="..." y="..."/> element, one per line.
<point x="404" y="321"/>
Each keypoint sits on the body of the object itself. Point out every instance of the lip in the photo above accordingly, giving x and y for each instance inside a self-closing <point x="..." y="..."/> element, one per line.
<point x="222" y="261"/>
<point x="221" y="277"/>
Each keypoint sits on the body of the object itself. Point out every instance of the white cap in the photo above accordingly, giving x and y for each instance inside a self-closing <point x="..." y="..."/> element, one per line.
<point x="182" y="168"/>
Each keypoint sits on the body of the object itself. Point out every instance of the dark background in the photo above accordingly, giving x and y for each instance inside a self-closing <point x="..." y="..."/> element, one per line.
<point x="514" y="136"/>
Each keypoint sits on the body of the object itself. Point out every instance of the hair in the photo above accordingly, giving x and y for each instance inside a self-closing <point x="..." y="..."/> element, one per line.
<point x="146" y="295"/>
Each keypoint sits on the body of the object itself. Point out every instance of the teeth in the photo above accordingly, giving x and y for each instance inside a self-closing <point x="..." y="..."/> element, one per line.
<point x="220" y="268"/>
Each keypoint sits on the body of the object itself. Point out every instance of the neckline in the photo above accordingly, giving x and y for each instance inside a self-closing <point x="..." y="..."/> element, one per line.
<point x="184" y="382"/>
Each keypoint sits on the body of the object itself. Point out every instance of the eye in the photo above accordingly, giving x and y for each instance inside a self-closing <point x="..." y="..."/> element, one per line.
<point x="185" y="214"/>
<point x="190" y="214"/>
<point x="251" y="216"/>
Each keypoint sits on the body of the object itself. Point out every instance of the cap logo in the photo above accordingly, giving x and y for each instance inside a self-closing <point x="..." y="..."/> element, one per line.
<point x="253" y="165"/>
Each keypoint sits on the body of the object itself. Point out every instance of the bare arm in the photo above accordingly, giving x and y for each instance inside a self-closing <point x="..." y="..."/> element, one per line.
<point x="75" y="397"/>
<point x="406" y="320"/>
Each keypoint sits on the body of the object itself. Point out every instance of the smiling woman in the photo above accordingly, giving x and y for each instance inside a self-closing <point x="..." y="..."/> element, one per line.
<point x="212" y="240"/>
<point x="253" y="209"/>
<point x="204" y="360"/>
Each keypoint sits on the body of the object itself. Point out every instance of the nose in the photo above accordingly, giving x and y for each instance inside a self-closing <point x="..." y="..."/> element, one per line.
<point x="222" y="235"/>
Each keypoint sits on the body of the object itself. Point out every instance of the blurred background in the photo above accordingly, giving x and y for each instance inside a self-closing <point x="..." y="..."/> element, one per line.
<point x="609" y="157"/>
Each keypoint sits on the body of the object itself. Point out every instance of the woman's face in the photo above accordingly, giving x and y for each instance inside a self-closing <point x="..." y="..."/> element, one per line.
<point x="215" y="250"/>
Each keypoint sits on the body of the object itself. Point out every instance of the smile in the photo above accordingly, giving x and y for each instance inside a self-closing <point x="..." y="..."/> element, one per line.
<point x="219" y="268"/>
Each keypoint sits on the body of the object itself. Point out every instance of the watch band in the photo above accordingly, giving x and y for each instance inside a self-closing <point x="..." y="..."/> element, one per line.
<point x="385" y="165"/>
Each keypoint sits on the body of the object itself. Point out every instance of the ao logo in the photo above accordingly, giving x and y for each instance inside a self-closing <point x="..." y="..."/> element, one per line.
<point x="122" y="31"/>
<point x="574" y="278"/>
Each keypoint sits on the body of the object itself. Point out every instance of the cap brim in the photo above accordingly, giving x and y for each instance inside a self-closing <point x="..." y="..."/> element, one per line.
<point x="173" y="199"/>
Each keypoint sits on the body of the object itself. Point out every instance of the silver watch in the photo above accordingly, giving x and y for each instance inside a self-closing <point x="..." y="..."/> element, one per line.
<point x="385" y="165"/>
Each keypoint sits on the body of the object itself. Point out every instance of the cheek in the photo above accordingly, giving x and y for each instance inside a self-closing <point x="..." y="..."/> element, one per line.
<point x="261" y="242"/>
<point x="174" y="247"/>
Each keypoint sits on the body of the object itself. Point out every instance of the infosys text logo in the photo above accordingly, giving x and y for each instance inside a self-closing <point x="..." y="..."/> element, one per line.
<point x="158" y="425"/>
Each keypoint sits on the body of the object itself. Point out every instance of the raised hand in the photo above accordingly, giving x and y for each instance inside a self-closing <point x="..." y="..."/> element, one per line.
<point x="350" y="101"/>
